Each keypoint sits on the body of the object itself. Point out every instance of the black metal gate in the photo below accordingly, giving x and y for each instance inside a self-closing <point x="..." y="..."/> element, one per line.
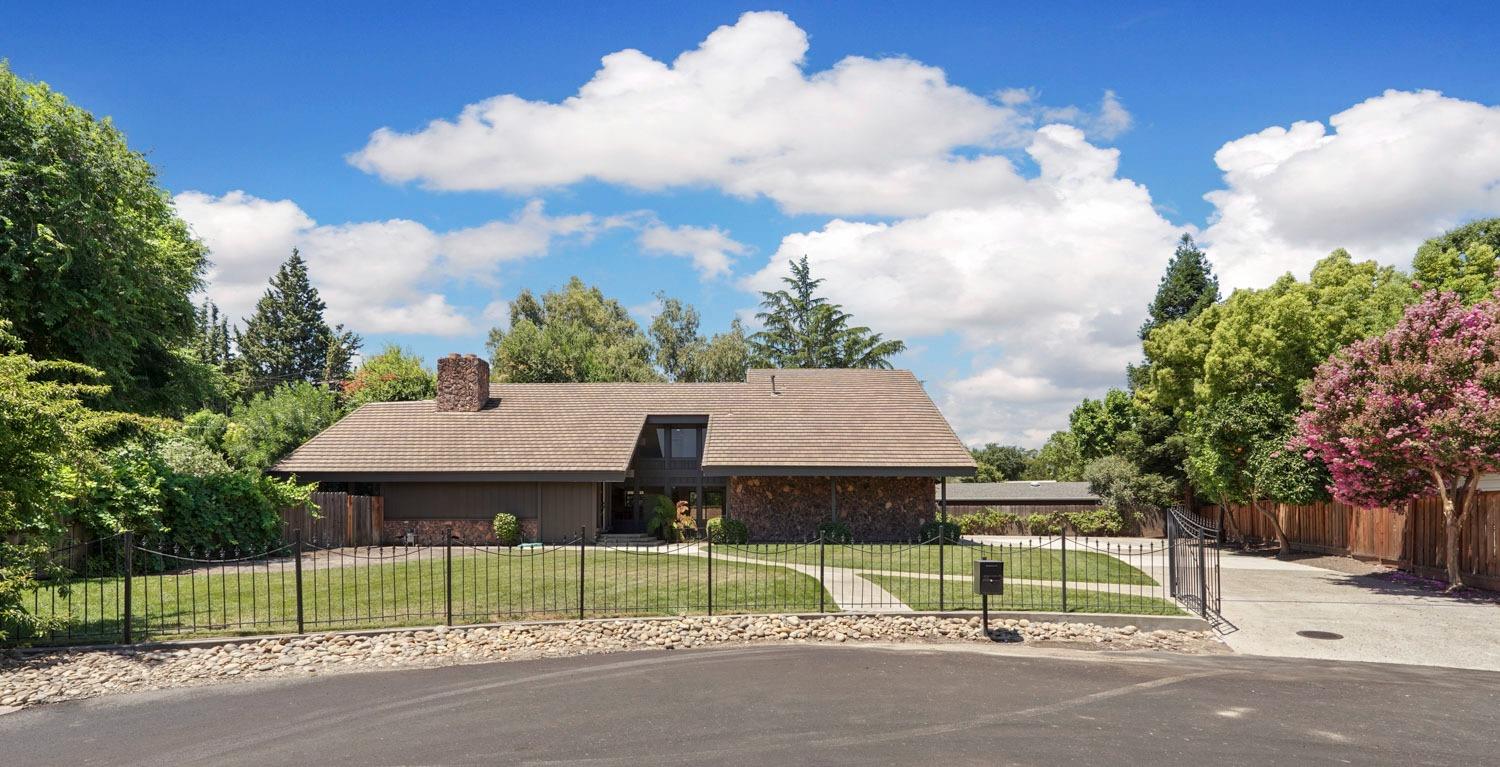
<point x="1193" y="564"/>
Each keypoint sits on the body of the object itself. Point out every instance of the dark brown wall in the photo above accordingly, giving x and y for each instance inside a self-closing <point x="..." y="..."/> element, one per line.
<point x="791" y="508"/>
<point x="460" y="500"/>
<point x="554" y="510"/>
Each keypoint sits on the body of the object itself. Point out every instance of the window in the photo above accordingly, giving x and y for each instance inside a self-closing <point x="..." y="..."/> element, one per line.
<point x="685" y="443"/>
<point x="653" y="444"/>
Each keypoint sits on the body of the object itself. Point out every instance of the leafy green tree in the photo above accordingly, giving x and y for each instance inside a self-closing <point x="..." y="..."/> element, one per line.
<point x="1271" y="340"/>
<point x="1188" y="287"/>
<point x="805" y="330"/>
<point x="49" y="450"/>
<point x="674" y="330"/>
<point x="1125" y="489"/>
<point x="273" y="424"/>
<point x="573" y="334"/>
<point x="1057" y="459"/>
<point x="1237" y="453"/>
<point x="725" y="357"/>
<point x="286" y="339"/>
<point x="95" y="265"/>
<point x="1460" y="261"/>
<point x="1098" y="424"/>
<point x="999" y="463"/>
<point x="393" y="375"/>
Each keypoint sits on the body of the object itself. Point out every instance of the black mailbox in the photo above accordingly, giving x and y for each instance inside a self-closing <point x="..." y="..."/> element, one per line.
<point x="989" y="577"/>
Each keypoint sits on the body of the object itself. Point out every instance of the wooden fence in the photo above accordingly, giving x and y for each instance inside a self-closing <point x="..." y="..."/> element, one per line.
<point x="1409" y="536"/>
<point x="341" y="519"/>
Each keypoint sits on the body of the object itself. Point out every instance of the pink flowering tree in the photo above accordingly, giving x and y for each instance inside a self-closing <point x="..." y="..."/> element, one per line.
<point x="1413" y="412"/>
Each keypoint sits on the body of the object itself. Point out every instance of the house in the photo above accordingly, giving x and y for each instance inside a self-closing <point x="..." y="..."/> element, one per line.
<point x="783" y="451"/>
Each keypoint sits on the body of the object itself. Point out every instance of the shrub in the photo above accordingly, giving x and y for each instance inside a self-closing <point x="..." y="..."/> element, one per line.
<point x="1043" y="524"/>
<point x="987" y="522"/>
<point x="507" y="529"/>
<point x="230" y="511"/>
<point x="1103" y="520"/>
<point x="835" y="532"/>
<point x="721" y="530"/>
<point x="930" y="531"/>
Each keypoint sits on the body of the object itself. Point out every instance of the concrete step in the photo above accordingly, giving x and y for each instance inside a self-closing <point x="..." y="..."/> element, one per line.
<point x="628" y="539"/>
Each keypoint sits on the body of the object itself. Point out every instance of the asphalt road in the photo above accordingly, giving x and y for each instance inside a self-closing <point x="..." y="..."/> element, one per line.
<point x="950" y="705"/>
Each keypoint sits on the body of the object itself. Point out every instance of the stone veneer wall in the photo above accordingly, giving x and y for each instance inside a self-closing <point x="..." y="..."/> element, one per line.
<point x="432" y="532"/>
<point x="463" y="383"/>
<point x="791" y="508"/>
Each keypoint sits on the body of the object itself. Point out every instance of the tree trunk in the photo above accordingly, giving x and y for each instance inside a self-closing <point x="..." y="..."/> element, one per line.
<point x="1453" y="518"/>
<point x="1451" y="527"/>
<point x="1284" y="544"/>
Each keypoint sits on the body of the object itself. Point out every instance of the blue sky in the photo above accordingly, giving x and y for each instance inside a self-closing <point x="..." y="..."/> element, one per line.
<point x="997" y="184"/>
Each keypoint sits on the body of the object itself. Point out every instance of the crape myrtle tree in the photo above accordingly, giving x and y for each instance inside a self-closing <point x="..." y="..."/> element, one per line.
<point x="1413" y="412"/>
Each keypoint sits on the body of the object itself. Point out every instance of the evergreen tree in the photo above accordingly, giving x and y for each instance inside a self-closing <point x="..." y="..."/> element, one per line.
<point x="286" y="339"/>
<point x="1188" y="287"/>
<point x="212" y="339"/>
<point x="805" y="330"/>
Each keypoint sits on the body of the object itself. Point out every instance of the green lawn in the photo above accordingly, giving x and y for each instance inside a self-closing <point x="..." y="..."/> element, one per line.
<point x="922" y="594"/>
<point x="1021" y="561"/>
<point x="412" y="591"/>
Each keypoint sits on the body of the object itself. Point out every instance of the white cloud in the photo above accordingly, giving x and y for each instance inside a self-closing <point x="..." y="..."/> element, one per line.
<point x="710" y="248"/>
<point x="375" y="276"/>
<point x="1394" y="170"/>
<point x="1050" y="282"/>
<point x="887" y="136"/>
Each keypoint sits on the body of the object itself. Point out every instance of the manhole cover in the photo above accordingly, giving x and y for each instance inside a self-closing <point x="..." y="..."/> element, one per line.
<point x="1319" y="635"/>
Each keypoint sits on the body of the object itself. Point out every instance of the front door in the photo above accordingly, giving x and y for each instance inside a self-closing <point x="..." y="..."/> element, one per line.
<point x="627" y="512"/>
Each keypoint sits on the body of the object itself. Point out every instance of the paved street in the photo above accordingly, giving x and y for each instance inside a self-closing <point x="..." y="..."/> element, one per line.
<point x="952" y="704"/>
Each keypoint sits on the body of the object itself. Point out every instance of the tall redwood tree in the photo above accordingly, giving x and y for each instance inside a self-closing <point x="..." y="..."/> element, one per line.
<point x="1413" y="412"/>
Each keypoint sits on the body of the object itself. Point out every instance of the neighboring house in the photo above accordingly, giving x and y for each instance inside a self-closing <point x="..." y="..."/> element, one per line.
<point x="783" y="451"/>
<point x="1020" y="497"/>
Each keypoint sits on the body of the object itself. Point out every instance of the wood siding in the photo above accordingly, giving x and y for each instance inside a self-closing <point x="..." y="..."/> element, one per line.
<point x="460" y="500"/>
<point x="559" y="508"/>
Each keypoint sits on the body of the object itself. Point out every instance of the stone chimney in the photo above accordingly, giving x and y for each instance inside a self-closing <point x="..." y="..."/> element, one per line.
<point x="463" y="383"/>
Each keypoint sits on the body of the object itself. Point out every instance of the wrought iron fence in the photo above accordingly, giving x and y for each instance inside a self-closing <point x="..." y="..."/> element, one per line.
<point x="1193" y="564"/>
<point x="298" y="588"/>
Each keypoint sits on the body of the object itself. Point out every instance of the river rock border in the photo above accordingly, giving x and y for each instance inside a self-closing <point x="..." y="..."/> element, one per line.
<point x="32" y="679"/>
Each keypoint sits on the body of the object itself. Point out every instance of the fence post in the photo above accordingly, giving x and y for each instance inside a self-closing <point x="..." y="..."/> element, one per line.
<point x="1202" y="578"/>
<point x="942" y="540"/>
<point x="1065" y="569"/>
<point x="129" y="568"/>
<point x="582" y="533"/>
<point x="448" y="577"/>
<point x="711" y="571"/>
<point x="297" y="560"/>
<point x="822" y="589"/>
<point x="1171" y="553"/>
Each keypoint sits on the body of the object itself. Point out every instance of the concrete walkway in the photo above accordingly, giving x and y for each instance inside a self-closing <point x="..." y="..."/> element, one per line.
<point x="1380" y="617"/>
<point x="850" y="591"/>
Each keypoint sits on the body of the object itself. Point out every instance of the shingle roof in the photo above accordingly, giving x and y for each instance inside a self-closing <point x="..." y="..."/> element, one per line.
<point x="840" y="420"/>
<point x="1021" y="492"/>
